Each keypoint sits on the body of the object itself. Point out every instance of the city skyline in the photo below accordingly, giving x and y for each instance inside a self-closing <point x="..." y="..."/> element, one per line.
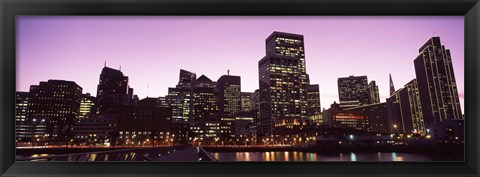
<point x="71" y="33"/>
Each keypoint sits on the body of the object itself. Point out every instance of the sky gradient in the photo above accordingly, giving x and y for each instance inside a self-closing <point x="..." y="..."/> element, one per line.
<point x="151" y="50"/>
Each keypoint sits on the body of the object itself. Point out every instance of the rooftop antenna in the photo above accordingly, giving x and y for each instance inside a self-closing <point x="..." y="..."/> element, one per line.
<point x="120" y="69"/>
<point x="147" y="91"/>
<point x="105" y="64"/>
<point x="228" y="72"/>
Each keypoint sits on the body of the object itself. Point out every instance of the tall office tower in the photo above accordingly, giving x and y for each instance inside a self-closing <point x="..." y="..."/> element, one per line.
<point x="313" y="99"/>
<point x="180" y="98"/>
<point x="392" y="88"/>
<point x="405" y="110"/>
<point x="245" y="100"/>
<point x="282" y="83"/>
<point x="22" y="126"/>
<point x="353" y="90"/>
<point x="373" y="93"/>
<point x="55" y="104"/>
<point x="87" y="106"/>
<point x="436" y="83"/>
<point x="229" y="90"/>
<point x="205" y="106"/>
<point x="112" y="91"/>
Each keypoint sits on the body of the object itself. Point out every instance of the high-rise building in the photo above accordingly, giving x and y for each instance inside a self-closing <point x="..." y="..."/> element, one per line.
<point x="176" y="100"/>
<point x="282" y="83"/>
<point x="373" y="93"/>
<point x="205" y="105"/>
<point x="245" y="101"/>
<point x="353" y="89"/>
<point x="229" y="92"/>
<point x="313" y="97"/>
<point x="54" y="104"/>
<point x="87" y="106"/>
<point x="436" y="83"/>
<point x="112" y="91"/>
<point x="22" y="125"/>
<point x="405" y="110"/>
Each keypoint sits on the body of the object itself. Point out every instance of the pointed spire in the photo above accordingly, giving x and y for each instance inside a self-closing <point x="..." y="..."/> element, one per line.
<point x="105" y="64"/>
<point x="392" y="88"/>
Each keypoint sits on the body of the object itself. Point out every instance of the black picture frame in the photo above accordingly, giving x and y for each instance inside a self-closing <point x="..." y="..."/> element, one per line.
<point x="11" y="8"/>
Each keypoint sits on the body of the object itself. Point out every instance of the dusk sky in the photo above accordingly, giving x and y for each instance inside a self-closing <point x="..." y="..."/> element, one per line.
<point x="151" y="50"/>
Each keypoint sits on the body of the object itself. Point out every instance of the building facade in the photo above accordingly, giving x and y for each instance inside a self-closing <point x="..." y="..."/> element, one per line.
<point x="353" y="89"/>
<point x="22" y="125"/>
<point x="436" y="83"/>
<point x="112" y="91"/>
<point x="229" y="94"/>
<point x="54" y="104"/>
<point x="282" y="84"/>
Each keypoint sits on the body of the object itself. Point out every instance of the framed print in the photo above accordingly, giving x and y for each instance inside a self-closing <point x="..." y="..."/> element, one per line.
<point x="254" y="88"/>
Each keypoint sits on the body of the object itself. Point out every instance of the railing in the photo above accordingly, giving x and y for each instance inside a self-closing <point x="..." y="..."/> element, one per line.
<point x="137" y="154"/>
<point x="204" y="155"/>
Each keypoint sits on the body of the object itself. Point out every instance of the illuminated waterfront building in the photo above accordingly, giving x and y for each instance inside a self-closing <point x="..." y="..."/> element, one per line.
<point x="282" y="85"/>
<point x="338" y="117"/>
<point x="54" y="105"/>
<point x="87" y="106"/>
<point x="112" y="91"/>
<point x="145" y="123"/>
<point x="376" y="115"/>
<point x="436" y="83"/>
<point x="22" y="125"/>
<point x="229" y="94"/>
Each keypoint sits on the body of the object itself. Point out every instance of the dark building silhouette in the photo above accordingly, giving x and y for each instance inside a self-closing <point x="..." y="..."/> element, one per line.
<point x="436" y="83"/>
<point x="145" y="123"/>
<point x="22" y="124"/>
<point x="405" y="110"/>
<point x="95" y="130"/>
<point x="374" y="95"/>
<point x="55" y="104"/>
<point x="313" y="99"/>
<point x="245" y="101"/>
<point x="282" y="83"/>
<point x="229" y="94"/>
<point x="353" y="89"/>
<point x="112" y="91"/>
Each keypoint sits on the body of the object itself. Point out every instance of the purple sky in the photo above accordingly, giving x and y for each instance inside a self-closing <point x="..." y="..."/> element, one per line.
<point x="152" y="50"/>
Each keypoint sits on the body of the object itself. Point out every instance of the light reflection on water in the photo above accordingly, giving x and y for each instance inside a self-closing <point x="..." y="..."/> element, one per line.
<point x="306" y="156"/>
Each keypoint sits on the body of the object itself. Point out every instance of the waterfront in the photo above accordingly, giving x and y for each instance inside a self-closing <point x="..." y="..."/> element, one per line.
<point x="282" y="156"/>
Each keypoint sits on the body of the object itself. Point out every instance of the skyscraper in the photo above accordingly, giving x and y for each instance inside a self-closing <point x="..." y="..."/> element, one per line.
<point x="205" y="106"/>
<point x="436" y="83"/>
<point x="87" y="106"/>
<point x="112" y="91"/>
<point x="392" y="88"/>
<point x="22" y="126"/>
<point x="282" y="83"/>
<point x="405" y="110"/>
<point x="56" y="105"/>
<point x="374" y="95"/>
<point x="245" y="101"/>
<point x="313" y="98"/>
<point x="229" y="92"/>
<point x="353" y="90"/>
